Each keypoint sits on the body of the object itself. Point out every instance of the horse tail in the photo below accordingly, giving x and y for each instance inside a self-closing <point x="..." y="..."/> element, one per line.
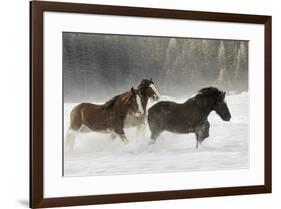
<point x="76" y="119"/>
<point x="151" y="119"/>
<point x="76" y="122"/>
<point x="70" y="139"/>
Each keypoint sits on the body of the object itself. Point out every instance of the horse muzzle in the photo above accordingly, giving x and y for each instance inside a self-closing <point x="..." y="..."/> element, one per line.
<point x="156" y="97"/>
<point x="227" y="118"/>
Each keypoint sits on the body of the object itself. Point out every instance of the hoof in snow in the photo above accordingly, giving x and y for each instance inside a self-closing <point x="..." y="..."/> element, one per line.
<point x="125" y="142"/>
<point x="152" y="142"/>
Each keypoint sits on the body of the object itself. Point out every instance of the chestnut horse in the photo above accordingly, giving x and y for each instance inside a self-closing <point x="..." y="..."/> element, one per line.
<point x="147" y="90"/>
<point x="107" y="118"/>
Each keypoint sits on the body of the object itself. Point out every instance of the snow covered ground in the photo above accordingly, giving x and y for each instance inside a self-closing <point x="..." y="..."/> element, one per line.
<point x="226" y="148"/>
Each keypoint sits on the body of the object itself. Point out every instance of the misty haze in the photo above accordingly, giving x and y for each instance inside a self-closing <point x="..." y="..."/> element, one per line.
<point x="97" y="66"/>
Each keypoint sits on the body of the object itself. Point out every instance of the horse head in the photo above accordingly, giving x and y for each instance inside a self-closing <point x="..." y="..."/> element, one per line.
<point x="134" y="102"/>
<point x="147" y="88"/>
<point x="217" y="101"/>
<point x="221" y="107"/>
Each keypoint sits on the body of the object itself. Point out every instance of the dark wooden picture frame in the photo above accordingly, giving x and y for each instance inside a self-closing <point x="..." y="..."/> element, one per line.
<point x="37" y="9"/>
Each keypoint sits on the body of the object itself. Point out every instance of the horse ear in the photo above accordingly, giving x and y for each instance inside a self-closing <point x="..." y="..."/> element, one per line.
<point x="222" y="95"/>
<point x="133" y="91"/>
<point x="151" y="79"/>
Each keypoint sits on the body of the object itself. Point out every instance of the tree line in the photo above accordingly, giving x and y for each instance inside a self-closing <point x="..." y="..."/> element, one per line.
<point x="97" y="66"/>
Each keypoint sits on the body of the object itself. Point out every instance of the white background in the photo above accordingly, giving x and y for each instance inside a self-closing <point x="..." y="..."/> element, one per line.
<point x="15" y="107"/>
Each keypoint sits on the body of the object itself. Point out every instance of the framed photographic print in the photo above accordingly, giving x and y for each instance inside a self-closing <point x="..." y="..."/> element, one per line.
<point x="139" y="104"/>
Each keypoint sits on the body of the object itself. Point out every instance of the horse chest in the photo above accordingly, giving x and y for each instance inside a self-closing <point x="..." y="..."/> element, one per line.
<point x="132" y="121"/>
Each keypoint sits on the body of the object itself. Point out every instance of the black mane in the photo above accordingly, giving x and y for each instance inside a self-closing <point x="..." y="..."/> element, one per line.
<point x="209" y="91"/>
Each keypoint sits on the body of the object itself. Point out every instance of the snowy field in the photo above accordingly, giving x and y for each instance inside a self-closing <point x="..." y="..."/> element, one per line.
<point x="226" y="148"/>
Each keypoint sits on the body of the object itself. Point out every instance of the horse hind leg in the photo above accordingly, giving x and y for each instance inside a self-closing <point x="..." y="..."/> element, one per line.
<point x="74" y="128"/>
<point x="113" y="136"/>
<point x="197" y="142"/>
<point x="123" y="138"/>
<point x="202" y="133"/>
<point x="155" y="131"/>
<point x="121" y="134"/>
<point x="154" y="135"/>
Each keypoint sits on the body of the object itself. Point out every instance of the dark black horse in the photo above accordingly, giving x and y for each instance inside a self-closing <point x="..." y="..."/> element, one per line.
<point x="190" y="116"/>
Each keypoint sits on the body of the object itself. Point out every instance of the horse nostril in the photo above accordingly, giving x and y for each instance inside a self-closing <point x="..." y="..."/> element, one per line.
<point x="156" y="97"/>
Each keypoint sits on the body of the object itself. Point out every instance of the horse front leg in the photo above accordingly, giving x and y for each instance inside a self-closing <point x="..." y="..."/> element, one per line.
<point x="121" y="134"/>
<point x="141" y="131"/>
<point x="197" y="140"/>
<point x="202" y="132"/>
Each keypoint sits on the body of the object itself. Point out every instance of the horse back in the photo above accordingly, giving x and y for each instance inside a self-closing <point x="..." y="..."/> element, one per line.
<point x="173" y="116"/>
<point x="166" y="107"/>
<point x="90" y="115"/>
